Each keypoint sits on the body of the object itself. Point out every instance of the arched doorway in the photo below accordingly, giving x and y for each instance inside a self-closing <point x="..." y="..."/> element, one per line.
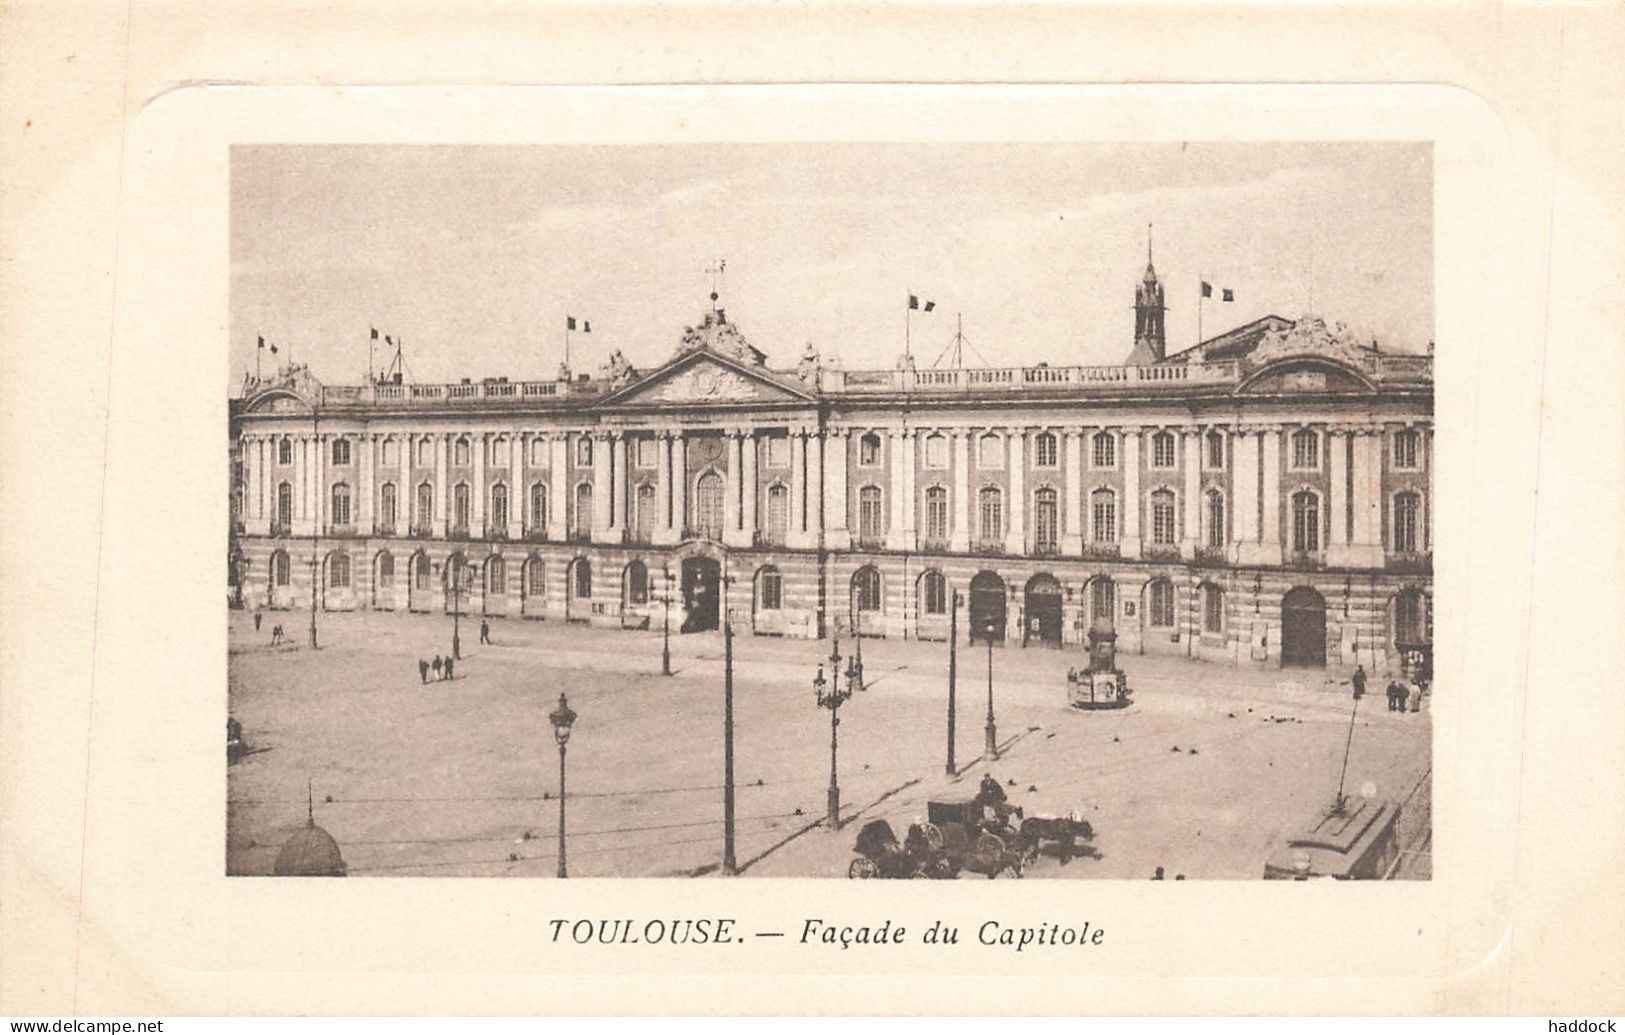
<point x="533" y="590"/>
<point x="280" y="573"/>
<point x="383" y="581"/>
<point x="494" y="591"/>
<point x="1303" y="628"/>
<point x="418" y="589"/>
<point x="1043" y="614"/>
<point x="868" y="601"/>
<point x="578" y="590"/>
<point x="708" y="507"/>
<point x="702" y="576"/>
<point x="1411" y="632"/>
<point x="987" y="608"/>
<point x="459" y="585"/>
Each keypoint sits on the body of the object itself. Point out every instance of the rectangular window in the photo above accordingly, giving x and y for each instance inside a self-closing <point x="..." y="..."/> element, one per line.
<point x="990" y="452"/>
<point x="1215" y="451"/>
<point x="538" y="452"/>
<point x="584" y="451"/>
<point x="871" y="518"/>
<point x="936" y="593"/>
<point x="936" y="452"/>
<point x="936" y="513"/>
<point x="648" y="452"/>
<point x="1305" y="450"/>
<point x="425" y="452"/>
<point x="1103" y="454"/>
<point x="1104" y="515"/>
<point x="1212" y="609"/>
<point x="386" y="453"/>
<point x="1162" y="518"/>
<point x="778" y="451"/>
<point x="1405" y="451"/>
<point x="869" y="451"/>
<point x="1162" y="450"/>
<point x="499" y="452"/>
<point x="1045" y="452"/>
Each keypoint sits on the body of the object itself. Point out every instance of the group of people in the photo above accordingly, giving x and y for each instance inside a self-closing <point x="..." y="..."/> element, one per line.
<point x="441" y="667"/>
<point x="1399" y="694"/>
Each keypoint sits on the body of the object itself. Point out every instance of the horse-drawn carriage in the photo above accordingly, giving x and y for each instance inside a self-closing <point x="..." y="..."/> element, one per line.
<point x="880" y="855"/>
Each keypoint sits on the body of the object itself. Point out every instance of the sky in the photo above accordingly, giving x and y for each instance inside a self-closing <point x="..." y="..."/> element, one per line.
<point x="475" y="255"/>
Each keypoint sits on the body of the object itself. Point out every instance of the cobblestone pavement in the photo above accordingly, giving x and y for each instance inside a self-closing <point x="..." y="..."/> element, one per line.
<point x="1209" y="768"/>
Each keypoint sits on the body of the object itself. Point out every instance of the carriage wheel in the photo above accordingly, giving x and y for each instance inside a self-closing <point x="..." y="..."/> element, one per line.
<point x="920" y="873"/>
<point x="933" y="835"/>
<point x="862" y="868"/>
<point x="990" y="845"/>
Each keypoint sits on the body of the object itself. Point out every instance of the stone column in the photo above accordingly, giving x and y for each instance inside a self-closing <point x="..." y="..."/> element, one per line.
<point x="960" y="445"/>
<point x="1072" y="495"/>
<point x="301" y="486"/>
<point x="365" y="497"/>
<point x="1337" y="518"/>
<point x="748" y="446"/>
<point x="799" y="501"/>
<point x="1365" y="549"/>
<point x="813" y="481"/>
<point x="442" y="490"/>
<point x="1190" y="455"/>
<point x="518" y="494"/>
<point x="481" y="442"/>
<point x="558" y="488"/>
<point x="620" y="481"/>
<point x="1269" y="533"/>
<point x="838" y="534"/>
<point x="896" y="496"/>
<point x="1244" y="460"/>
<point x="733" y="480"/>
<point x="679" y="485"/>
<point x="1015" y="537"/>
<point x="600" y="488"/>
<point x="405" y="492"/>
<point x="911" y="481"/>
<point x="1131" y="493"/>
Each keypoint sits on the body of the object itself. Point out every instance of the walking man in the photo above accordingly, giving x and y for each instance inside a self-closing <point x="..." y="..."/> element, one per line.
<point x="1359" y="681"/>
<point x="438" y="664"/>
<point x="423" y="671"/>
<point x="1393" y="695"/>
<point x="448" y="668"/>
<point x="257" y="617"/>
<point x="485" y="631"/>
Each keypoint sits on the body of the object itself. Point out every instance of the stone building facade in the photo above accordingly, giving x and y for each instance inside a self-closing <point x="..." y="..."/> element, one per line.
<point x="1262" y="498"/>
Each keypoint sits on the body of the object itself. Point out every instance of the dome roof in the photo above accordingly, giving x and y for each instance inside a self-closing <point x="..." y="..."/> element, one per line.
<point x="310" y="852"/>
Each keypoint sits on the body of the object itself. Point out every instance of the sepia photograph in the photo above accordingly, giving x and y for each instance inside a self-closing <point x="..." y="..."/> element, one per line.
<point x="831" y="510"/>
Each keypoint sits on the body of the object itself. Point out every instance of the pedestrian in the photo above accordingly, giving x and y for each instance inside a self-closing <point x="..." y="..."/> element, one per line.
<point x="448" y="668"/>
<point x="1416" y="697"/>
<point x="438" y="664"/>
<point x="1393" y="695"/>
<point x="423" y="671"/>
<point x="1359" y="681"/>
<point x="485" y="631"/>
<point x="257" y="617"/>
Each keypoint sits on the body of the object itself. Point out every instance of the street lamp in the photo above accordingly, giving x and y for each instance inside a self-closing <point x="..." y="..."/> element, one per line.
<point x="728" y="865"/>
<point x="833" y="699"/>
<point x="315" y="577"/>
<point x="665" y="629"/>
<point x="454" y="576"/>
<point x="992" y="747"/>
<point x="562" y="719"/>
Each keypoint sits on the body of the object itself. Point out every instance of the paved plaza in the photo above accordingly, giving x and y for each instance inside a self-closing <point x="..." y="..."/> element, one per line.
<point x="1209" y="767"/>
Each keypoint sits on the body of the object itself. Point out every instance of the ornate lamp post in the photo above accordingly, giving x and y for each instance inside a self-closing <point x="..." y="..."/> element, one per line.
<point x="665" y="629"/>
<point x="833" y="699"/>
<point x="562" y="719"/>
<point x="992" y="729"/>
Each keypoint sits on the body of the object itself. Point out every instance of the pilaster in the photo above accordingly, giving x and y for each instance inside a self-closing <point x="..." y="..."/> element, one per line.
<point x="1190" y="455"/>
<point x="1130" y="544"/>
<point x="1072" y="495"/>
<point x="837" y="508"/>
<point x="1015" y="538"/>
<point x="960" y="446"/>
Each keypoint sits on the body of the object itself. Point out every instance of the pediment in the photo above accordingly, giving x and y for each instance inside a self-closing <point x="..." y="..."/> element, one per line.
<point x="1304" y="376"/>
<point x="701" y="379"/>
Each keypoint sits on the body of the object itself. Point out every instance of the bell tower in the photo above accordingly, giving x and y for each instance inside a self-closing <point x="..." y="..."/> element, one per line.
<point x="1150" y="337"/>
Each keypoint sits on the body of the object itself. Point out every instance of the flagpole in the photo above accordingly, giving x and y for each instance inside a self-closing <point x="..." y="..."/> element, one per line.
<point x="907" y="319"/>
<point x="372" y="343"/>
<point x="1200" y="294"/>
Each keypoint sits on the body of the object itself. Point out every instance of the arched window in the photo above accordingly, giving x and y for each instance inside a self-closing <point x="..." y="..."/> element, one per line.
<point x="386" y="570"/>
<point x="460" y="453"/>
<point x="499" y="507"/>
<point x="424" y="512"/>
<point x="284" y="451"/>
<point x="1046" y="520"/>
<point x="1103" y="599"/>
<point x="1305" y="522"/>
<point x="1305" y="449"/>
<point x="637" y="583"/>
<point x="338" y="570"/>
<point x="1215" y="519"/>
<point x="778" y="514"/>
<point x="420" y="573"/>
<point x="583" y="579"/>
<point x="1405" y="451"/>
<point x="496" y="576"/>
<point x="386" y="505"/>
<point x="769" y="589"/>
<point x="535" y="577"/>
<point x="1162" y="449"/>
<point x="1407" y="506"/>
<point x="1212" y="608"/>
<point x="584" y="451"/>
<point x="281" y="569"/>
<point x="990" y="452"/>
<point x="934" y="593"/>
<point x="583" y="514"/>
<point x="1103" y="515"/>
<point x="869" y="450"/>
<point x="644" y="513"/>
<point x="1103" y="452"/>
<point x="708" y="497"/>
<point x="462" y="502"/>
<point x="1163" y="529"/>
<point x="341" y="452"/>
<point x="871" y="517"/>
<point x="936" y="513"/>
<point x="990" y="511"/>
<point x="866" y="589"/>
<point x="936" y="451"/>
<point x="341" y="504"/>
<point x="1215" y="451"/>
<point x="1160" y="600"/>
<point x="1045" y="453"/>
<point x="538" y="507"/>
<point x="284" y="504"/>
